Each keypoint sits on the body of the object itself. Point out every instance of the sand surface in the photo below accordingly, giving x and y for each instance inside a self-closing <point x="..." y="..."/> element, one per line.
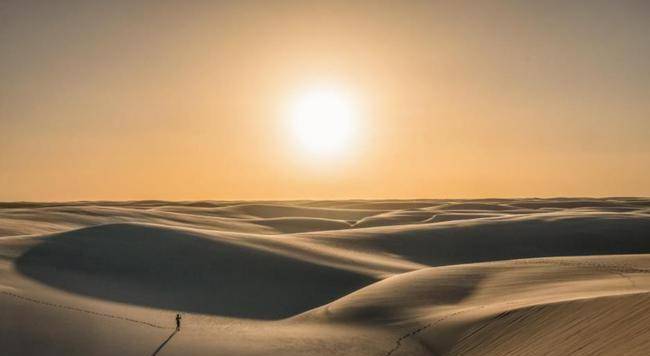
<point x="417" y="277"/>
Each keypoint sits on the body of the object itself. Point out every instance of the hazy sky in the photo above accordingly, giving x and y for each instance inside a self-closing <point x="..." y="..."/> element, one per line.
<point x="188" y="99"/>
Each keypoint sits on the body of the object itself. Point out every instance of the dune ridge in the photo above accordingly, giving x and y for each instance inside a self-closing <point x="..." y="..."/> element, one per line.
<point x="353" y="277"/>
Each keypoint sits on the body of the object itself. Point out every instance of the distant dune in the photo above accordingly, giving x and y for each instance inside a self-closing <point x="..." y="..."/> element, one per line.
<point x="565" y="276"/>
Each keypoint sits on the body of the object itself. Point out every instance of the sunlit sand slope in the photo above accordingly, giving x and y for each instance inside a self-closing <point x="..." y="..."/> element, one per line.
<point x="421" y="277"/>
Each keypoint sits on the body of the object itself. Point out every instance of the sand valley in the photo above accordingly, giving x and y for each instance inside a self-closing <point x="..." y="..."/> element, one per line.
<point x="355" y="277"/>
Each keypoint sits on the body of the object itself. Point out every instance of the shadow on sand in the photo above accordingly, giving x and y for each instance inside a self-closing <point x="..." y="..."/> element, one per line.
<point x="483" y="241"/>
<point x="164" y="343"/>
<point x="181" y="271"/>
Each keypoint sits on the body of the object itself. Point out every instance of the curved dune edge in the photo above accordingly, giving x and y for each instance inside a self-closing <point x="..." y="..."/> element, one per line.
<point x="495" y="308"/>
<point x="338" y="278"/>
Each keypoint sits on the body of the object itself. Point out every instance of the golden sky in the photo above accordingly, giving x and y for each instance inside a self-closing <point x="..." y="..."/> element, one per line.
<point x="191" y="99"/>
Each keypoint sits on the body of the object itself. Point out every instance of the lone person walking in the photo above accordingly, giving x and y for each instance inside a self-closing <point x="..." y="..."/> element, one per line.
<point x="178" y="322"/>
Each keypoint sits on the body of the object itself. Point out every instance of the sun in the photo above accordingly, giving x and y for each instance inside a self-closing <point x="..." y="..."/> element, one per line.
<point x="323" y="120"/>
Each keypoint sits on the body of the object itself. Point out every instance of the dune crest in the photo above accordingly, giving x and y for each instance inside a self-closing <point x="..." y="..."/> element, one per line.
<point x="444" y="277"/>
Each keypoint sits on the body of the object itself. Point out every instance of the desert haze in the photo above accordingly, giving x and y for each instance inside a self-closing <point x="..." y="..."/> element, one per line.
<point x="353" y="277"/>
<point x="322" y="178"/>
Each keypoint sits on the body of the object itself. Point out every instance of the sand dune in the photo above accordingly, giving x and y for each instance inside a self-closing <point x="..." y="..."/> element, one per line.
<point x="445" y="277"/>
<point x="181" y="270"/>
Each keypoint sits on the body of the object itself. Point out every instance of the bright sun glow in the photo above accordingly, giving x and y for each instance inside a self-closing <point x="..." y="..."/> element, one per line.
<point x="323" y="120"/>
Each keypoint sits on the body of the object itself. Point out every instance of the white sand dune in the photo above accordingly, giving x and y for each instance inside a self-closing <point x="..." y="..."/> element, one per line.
<point x="443" y="277"/>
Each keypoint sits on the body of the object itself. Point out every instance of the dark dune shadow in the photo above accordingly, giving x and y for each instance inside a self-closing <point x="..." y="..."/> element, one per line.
<point x="164" y="343"/>
<point x="516" y="239"/>
<point x="176" y="270"/>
